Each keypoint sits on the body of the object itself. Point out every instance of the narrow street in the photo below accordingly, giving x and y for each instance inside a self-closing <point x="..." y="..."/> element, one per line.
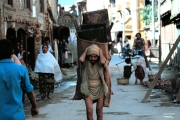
<point x="46" y="34"/>
<point x="126" y="103"/>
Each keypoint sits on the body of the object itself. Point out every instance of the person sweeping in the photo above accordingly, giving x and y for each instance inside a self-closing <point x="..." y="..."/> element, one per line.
<point x="139" y="67"/>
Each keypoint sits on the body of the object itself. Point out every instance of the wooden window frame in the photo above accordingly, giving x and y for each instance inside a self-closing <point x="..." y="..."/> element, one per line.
<point x="27" y="4"/>
<point x="9" y="2"/>
<point x="41" y="6"/>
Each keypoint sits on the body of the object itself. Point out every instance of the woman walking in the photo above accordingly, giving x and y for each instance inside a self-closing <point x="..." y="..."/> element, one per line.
<point x="48" y="70"/>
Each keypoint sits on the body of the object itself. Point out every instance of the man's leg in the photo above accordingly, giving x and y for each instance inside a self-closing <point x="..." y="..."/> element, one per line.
<point x="89" y="108"/>
<point x="124" y="53"/>
<point x="147" y="63"/>
<point x="135" y="81"/>
<point x="99" y="108"/>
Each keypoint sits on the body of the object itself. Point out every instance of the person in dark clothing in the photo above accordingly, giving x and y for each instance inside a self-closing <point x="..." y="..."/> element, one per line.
<point x="139" y="47"/>
<point x="62" y="49"/>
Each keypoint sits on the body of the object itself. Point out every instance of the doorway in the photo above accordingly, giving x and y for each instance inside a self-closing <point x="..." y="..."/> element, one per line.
<point x="31" y="52"/>
<point x="11" y="35"/>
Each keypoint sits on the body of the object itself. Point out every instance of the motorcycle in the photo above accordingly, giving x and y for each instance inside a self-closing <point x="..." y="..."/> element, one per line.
<point x="131" y="52"/>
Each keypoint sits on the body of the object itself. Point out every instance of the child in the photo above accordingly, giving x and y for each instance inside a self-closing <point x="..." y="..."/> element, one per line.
<point x="139" y="68"/>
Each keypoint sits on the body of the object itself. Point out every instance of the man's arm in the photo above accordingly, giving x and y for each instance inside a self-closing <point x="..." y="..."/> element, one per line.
<point x="107" y="73"/>
<point x="34" y="108"/>
<point x="134" y="45"/>
<point x="134" y="66"/>
<point x="143" y="44"/>
<point x="50" y="49"/>
<point x="83" y="56"/>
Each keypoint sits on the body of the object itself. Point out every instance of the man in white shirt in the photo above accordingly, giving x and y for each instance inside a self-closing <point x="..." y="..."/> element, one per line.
<point x="126" y="47"/>
<point x="46" y="41"/>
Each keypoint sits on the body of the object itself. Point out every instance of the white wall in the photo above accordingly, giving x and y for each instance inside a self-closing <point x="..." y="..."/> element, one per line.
<point x="93" y="5"/>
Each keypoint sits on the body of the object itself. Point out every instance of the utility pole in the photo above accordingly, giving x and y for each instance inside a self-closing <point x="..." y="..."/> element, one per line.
<point x="153" y="25"/>
<point x="159" y="30"/>
<point x="123" y="28"/>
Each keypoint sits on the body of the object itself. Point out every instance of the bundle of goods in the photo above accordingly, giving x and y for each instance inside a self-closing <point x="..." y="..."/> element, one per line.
<point x="97" y="19"/>
<point x="126" y="75"/>
<point x="151" y="76"/>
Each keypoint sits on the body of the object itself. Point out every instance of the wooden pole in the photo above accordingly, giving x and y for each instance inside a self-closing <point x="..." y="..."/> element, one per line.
<point x="159" y="31"/>
<point x="161" y="70"/>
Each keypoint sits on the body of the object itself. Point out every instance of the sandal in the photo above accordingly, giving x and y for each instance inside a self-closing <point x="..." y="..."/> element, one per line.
<point x="48" y="96"/>
<point x="43" y="96"/>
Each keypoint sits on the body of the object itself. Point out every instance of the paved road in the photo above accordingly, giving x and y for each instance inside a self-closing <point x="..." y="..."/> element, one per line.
<point x="125" y="103"/>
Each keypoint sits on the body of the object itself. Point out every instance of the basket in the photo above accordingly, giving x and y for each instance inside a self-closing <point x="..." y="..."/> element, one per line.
<point x="122" y="81"/>
<point x="151" y="77"/>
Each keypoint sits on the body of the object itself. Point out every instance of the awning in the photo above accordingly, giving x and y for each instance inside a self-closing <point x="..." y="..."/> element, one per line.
<point x="175" y="8"/>
<point x="60" y="32"/>
<point x="165" y="6"/>
<point x="117" y="27"/>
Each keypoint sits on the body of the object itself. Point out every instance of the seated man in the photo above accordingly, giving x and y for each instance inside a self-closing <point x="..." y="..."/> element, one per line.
<point x="125" y="48"/>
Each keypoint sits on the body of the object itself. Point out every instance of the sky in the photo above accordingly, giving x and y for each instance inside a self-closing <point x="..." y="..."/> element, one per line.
<point x="66" y="2"/>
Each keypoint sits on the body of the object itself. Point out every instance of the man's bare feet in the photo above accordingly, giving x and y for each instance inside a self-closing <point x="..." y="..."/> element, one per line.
<point x="43" y="96"/>
<point x="135" y="82"/>
<point x="141" y="83"/>
<point x="48" y="96"/>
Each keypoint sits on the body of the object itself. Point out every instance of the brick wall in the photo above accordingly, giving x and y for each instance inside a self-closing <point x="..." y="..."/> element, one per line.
<point x="22" y="17"/>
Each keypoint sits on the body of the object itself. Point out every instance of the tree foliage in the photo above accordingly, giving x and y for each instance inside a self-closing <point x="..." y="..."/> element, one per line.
<point x="146" y="13"/>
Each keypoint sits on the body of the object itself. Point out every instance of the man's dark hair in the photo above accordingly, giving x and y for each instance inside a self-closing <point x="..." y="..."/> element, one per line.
<point x="138" y="34"/>
<point x="46" y="39"/>
<point x="128" y="60"/>
<point x="6" y="49"/>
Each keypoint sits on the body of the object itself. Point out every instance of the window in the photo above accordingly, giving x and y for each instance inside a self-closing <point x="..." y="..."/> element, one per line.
<point x="147" y="2"/>
<point x="112" y="1"/>
<point x="27" y="4"/>
<point x="128" y="37"/>
<point x="9" y="2"/>
<point x="41" y="6"/>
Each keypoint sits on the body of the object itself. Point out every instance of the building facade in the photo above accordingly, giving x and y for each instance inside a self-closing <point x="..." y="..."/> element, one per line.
<point x="170" y="29"/>
<point x="29" y="21"/>
<point x="128" y="20"/>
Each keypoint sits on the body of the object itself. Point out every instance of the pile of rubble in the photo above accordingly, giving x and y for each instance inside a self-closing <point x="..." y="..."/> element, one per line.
<point x="169" y="86"/>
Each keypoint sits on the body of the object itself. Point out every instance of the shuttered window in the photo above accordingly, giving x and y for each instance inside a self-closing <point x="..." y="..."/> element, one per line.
<point x="147" y="2"/>
<point x="41" y="6"/>
<point x="9" y="2"/>
<point x="27" y="4"/>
